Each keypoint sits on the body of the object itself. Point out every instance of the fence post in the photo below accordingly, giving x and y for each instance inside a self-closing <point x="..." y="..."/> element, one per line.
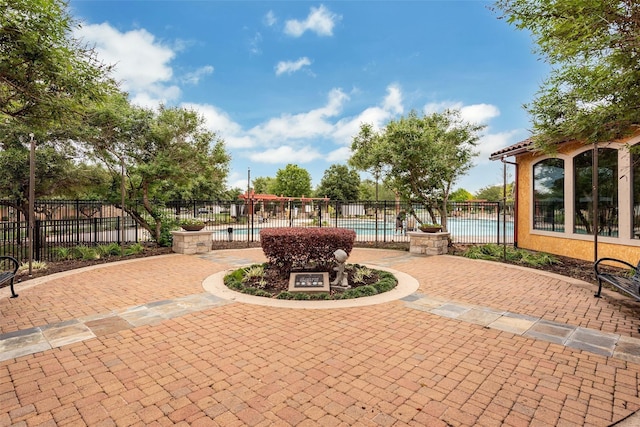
<point x="498" y="221"/>
<point x="95" y="230"/>
<point x="384" y="220"/>
<point x="37" y="244"/>
<point x="119" y="228"/>
<point x="77" y="215"/>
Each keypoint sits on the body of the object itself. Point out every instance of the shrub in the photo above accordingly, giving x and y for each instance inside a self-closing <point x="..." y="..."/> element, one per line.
<point x="234" y="280"/>
<point x="167" y="224"/>
<point x="298" y="247"/>
<point x="495" y="252"/>
<point x="285" y="295"/>
<point x="255" y="271"/>
<point x="361" y="273"/>
<point x="239" y="280"/>
<point x="108" y="250"/>
<point x="191" y="221"/>
<point x="61" y="253"/>
<point x="385" y="284"/>
<point x="134" y="249"/>
<point x="35" y="266"/>
<point x="85" y="253"/>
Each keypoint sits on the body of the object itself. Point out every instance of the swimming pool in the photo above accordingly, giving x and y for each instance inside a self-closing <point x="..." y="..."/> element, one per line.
<point x="462" y="230"/>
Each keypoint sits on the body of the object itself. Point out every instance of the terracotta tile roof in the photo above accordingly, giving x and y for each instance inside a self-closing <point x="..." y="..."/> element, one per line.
<point x="517" y="148"/>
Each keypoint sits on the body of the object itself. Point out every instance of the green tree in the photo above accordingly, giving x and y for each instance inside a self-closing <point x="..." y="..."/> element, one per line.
<point x="367" y="191"/>
<point x="368" y="152"/>
<point x="292" y="181"/>
<point x="420" y="157"/>
<point x="339" y="182"/>
<point x="164" y="153"/>
<point x="58" y="175"/>
<point x="593" y="46"/>
<point x="495" y="193"/>
<point x="263" y="185"/>
<point x="460" y="195"/>
<point x="46" y="76"/>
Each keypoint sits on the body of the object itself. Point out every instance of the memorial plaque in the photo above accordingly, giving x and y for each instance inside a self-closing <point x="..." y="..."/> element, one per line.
<point x="309" y="281"/>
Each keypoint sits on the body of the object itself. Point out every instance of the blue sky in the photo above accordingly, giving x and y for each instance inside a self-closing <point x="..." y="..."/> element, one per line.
<point x="291" y="81"/>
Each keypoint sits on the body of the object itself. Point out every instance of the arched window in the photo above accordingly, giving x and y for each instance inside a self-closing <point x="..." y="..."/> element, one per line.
<point x="607" y="191"/>
<point x="548" y="195"/>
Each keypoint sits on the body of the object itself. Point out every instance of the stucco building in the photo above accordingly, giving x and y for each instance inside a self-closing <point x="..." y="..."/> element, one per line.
<point x="554" y="203"/>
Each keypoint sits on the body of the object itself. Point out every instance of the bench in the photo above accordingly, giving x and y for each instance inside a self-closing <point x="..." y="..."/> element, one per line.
<point x="8" y="269"/>
<point x="629" y="284"/>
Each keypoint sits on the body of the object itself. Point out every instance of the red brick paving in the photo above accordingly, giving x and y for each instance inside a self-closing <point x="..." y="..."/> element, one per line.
<point x="379" y="365"/>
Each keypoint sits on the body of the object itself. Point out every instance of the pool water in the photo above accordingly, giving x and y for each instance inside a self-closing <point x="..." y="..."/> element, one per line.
<point x="462" y="230"/>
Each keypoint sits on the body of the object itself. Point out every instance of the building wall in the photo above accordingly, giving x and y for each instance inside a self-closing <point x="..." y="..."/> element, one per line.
<point x="568" y="243"/>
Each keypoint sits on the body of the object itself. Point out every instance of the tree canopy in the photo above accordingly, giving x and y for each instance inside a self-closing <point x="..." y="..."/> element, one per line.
<point x="593" y="92"/>
<point x="292" y="181"/>
<point x="420" y="157"/>
<point x="339" y="182"/>
<point x="46" y="76"/>
<point x="367" y="191"/>
<point x="495" y="193"/>
<point x="165" y="153"/>
<point x="460" y="195"/>
<point x="263" y="185"/>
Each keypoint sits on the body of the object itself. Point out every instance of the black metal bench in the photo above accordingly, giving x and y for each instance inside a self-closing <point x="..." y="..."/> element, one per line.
<point x="8" y="269"/>
<point x="629" y="284"/>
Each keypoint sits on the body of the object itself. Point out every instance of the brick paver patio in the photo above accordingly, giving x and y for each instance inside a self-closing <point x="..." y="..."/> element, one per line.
<point x="142" y="343"/>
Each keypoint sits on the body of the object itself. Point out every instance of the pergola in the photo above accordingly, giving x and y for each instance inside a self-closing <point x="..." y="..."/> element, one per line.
<point x="252" y="197"/>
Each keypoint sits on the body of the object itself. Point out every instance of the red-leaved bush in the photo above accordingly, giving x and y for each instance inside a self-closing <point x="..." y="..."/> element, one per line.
<point x="299" y="247"/>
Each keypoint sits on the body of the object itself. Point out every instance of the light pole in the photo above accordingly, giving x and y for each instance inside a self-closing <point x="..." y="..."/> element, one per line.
<point x="122" y="205"/>
<point x="32" y="194"/>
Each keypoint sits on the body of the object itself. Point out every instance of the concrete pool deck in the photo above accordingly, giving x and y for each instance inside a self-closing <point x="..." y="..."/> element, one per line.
<point x="477" y="343"/>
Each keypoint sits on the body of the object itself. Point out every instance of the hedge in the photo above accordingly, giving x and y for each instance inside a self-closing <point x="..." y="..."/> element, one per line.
<point x="288" y="249"/>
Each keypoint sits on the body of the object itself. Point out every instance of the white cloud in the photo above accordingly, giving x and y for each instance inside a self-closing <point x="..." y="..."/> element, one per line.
<point x="479" y="113"/>
<point x="195" y="76"/>
<point x="270" y="19"/>
<point x="286" y="154"/>
<point x="219" y="122"/>
<point x="490" y="143"/>
<point x="237" y="180"/>
<point x="320" y="20"/>
<point x="341" y="155"/>
<point x="254" y="44"/>
<point x="476" y="113"/>
<point x="142" y="63"/>
<point x="312" y="124"/>
<point x="393" y="100"/>
<point x="377" y="116"/>
<point x="292" y="66"/>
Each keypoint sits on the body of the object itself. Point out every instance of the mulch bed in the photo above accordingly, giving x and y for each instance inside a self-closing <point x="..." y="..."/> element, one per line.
<point x="575" y="268"/>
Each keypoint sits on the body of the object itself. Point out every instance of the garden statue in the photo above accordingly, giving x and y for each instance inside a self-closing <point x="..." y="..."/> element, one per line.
<point x="340" y="280"/>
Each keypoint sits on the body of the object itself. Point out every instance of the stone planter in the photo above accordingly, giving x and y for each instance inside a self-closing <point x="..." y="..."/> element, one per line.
<point x="192" y="227"/>
<point x="431" y="229"/>
<point x="428" y="243"/>
<point x="192" y="242"/>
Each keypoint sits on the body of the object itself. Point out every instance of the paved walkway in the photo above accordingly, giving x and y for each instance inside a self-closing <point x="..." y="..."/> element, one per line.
<point x="142" y="343"/>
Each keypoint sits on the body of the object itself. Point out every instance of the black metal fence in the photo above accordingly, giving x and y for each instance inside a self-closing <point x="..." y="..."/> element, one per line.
<point x="67" y="224"/>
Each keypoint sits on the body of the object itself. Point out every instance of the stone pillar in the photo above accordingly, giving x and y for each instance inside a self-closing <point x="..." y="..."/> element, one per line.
<point x="192" y="242"/>
<point x="428" y="243"/>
